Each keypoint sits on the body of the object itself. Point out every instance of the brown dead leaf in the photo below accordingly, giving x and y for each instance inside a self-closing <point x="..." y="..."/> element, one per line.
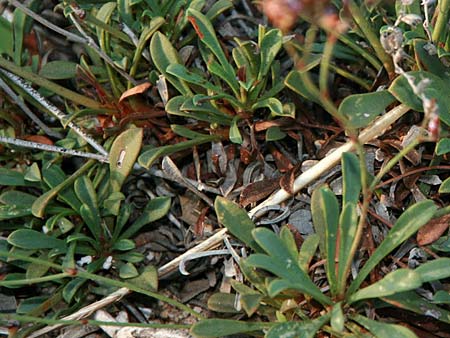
<point x="287" y="180"/>
<point x="282" y="162"/>
<point x="256" y="191"/>
<point x="139" y="89"/>
<point x="434" y="229"/>
<point x="39" y="139"/>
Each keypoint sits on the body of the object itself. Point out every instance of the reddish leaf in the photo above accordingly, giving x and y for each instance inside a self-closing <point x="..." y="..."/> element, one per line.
<point x="39" y="139"/>
<point x="434" y="229"/>
<point x="256" y="191"/>
<point x="139" y="89"/>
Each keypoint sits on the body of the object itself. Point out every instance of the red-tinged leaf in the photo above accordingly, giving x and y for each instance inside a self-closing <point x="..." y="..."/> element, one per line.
<point x="433" y="230"/>
<point x="139" y="89"/>
<point x="39" y="139"/>
<point x="256" y="191"/>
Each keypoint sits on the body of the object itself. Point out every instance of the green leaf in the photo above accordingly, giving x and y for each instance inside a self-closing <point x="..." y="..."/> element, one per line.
<point x="224" y="327"/>
<point x="58" y="70"/>
<point x="307" y="251"/>
<point x="6" y="32"/>
<point x="236" y="220"/>
<point x="122" y="156"/>
<point x="411" y="301"/>
<point x="207" y="35"/>
<point x="430" y="62"/>
<point x="222" y="302"/>
<point x="445" y="186"/>
<point x="394" y="282"/>
<point x="13" y="211"/>
<point x="272" y="103"/>
<point x="337" y="317"/>
<point x="281" y="262"/>
<point x="10" y="177"/>
<point x="250" y="299"/>
<point x="17" y="198"/>
<point x="230" y="79"/>
<point x="301" y="329"/>
<point x="436" y="88"/>
<point x="34" y="240"/>
<point x="32" y="173"/>
<point x="186" y="132"/>
<point x="29" y="304"/>
<point x="295" y="82"/>
<point x="42" y="201"/>
<point x="362" y="109"/>
<point x="72" y="288"/>
<point x="184" y="74"/>
<point x="325" y="215"/>
<point x="84" y="189"/>
<point x="437" y="269"/>
<point x="443" y="146"/>
<point x="235" y="134"/>
<point x="128" y="270"/>
<point x="111" y="205"/>
<point x="124" y="245"/>
<point x="383" y="330"/>
<point x="54" y="177"/>
<point x="154" y="210"/>
<point x="441" y="297"/>
<point x="148" y="157"/>
<point x="270" y="45"/>
<point x="348" y="223"/>
<point x="147" y="279"/>
<point x="408" y="223"/>
<point x="91" y="217"/>
<point x="351" y="175"/>
<point x="182" y="106"/>
<point x="164" y="54"/>
<point x="274" y="133"/>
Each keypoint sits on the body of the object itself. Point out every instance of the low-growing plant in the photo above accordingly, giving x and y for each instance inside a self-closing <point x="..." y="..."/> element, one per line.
<point x="281" y="282"/>
<point x="77" y="220"/>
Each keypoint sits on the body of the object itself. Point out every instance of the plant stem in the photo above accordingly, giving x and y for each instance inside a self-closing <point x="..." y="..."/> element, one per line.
<point x="368" y="31"/>
<point x="325" y="64"/>
<point x="440" y="28"/>
<point x="361" y="51"/>
<point x="98" y="278"/>
<point x="367" y="195"/>
<point x="47" y="147"/>
<point x="30" y="281"/>
<point x="393" y="161"/>
<point x="48" y="321"/>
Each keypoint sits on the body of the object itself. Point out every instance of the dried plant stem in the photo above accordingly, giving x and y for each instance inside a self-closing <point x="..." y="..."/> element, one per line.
<point x="54" y="110"/>
<point x="47" y="147"/>
<point x="27" y="110"/>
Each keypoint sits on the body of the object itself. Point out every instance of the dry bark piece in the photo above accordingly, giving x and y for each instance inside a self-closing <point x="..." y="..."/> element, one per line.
<point x="433" y="230"/>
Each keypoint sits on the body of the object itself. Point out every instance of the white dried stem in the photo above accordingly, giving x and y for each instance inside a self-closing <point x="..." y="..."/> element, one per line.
<point x="54" y="110"/>
<point x="27" y="111"/>
<point x="55" y="149"/>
